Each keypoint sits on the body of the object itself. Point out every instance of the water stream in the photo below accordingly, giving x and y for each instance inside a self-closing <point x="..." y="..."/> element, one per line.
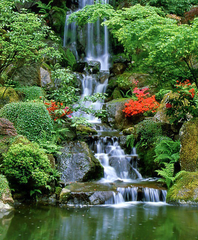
<point x="118" y="166"/>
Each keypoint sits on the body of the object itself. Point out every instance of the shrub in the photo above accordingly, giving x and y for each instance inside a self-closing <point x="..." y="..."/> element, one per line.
<point x="27" y="165"/>
<point x="144" y="103"/>
<point x="31" y="93"/>
<point x="30" y="119"/>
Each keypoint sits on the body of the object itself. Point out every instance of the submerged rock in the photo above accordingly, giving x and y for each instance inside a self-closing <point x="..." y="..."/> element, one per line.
<point x="77" y="163"/>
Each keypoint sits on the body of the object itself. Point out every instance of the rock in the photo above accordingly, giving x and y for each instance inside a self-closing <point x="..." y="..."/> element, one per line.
<point x="122" y="166"/>
<point x="116" y="117"/>
<point x="185" y="189"/>
<point x="5" y="193"/>
<point x="118" y="68"/>
<point x="64" y="195"/>
<point x="45" y="77"/>
<point x="28" y="75"/>
<point x="85" y="130"/>
<point x="189" y="146"/>
<point x="77" y="163"/>
<point x="93" y="67"/>
<point x="8" y="95"/>
<point x="52" y="160"/>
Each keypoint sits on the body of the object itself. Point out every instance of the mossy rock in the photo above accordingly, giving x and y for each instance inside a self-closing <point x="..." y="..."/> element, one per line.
<point x="8" y="95"/>
<point x="116" y="94"/>
<point x="85" y="130"/>
<point x="189" y="146"/>
<point x="5" y="192"/>
<point x="185" y="188"/>
<point x="65" y="195"/>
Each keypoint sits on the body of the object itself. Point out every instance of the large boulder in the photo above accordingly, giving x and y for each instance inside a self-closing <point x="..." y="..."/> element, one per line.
<point x="189" y="145"/>
<point x="6" y="199"/>
<point x="116" y="117"/>
<point x="185" y="190"/>
<point x="77" y="163"/>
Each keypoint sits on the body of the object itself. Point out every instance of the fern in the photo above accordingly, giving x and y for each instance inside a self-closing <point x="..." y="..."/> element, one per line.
<point x="167" y="174"/>
<point x="130" y="141"/>
<point x="167" y="150"/>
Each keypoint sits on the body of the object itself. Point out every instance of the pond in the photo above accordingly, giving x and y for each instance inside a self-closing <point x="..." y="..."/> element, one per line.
<point x="127" y="221"/>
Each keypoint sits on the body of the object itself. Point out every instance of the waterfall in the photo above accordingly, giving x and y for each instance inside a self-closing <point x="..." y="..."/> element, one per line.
<point x="97" y="39"/>
<point x="114" y="160"/>
<point x="94" y="79"/>
<point x="131" y="194"/>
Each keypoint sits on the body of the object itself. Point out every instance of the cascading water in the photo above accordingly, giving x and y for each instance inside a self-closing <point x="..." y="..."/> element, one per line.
<point x="117" y="165"/>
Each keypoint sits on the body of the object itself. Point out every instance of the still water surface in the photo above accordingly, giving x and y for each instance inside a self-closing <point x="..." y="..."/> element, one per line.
<point x="142" y="221"/>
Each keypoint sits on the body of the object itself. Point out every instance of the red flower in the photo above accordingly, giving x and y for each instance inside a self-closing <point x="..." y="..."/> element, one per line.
<point x="168" y="105"/>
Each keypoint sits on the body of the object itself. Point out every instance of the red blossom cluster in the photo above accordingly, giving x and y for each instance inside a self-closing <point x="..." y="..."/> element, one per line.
<point x="57" y="111"/>
<point x="144" y="103"/>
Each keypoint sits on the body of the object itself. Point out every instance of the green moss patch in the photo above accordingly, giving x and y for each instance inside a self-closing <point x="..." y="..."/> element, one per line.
<point x="185" y="188"/>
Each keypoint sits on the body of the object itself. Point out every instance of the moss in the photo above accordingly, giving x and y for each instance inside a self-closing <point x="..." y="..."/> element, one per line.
<point x="189" y="145"/>
<point x="8" y="95"/>
<point x="116" y="93"/>
<point x="4" y="187"/>
<point x="84" y="130"/>
<point x="185" y="188"/>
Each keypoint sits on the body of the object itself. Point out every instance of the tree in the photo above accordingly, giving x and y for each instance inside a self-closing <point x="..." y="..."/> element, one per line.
<point x="24" y="38"/>
<point x="164" y="45"/>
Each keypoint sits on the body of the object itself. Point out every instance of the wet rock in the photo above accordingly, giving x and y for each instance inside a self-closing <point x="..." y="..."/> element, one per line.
<point x="5" y="194"/>
<point x="122" y="167"/>
<point x="65" y="195"/>
<point x="93" y="67"/>
<point x="189" y="146"/>
<point x="77" y="163"/>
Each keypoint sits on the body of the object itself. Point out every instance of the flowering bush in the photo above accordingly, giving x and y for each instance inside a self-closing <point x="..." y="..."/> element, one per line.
<point x="57" y="110"/>
<point x="184" y="104"/>
<point x="144" y="103"/>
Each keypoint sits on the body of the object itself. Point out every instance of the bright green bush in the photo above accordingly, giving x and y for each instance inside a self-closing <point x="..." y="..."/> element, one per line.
<point x="27" y="165"/>
<point x="30" y="119"/>
<point x="31" y="93"/>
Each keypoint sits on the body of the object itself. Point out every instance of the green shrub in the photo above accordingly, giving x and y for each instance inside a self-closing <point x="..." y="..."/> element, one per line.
<point x="28" y="166"/>
<point x="30" y="119"/>
<point x="31" y="93"/>
<point x="159" y="96"/>
<point x="148" y="132"/>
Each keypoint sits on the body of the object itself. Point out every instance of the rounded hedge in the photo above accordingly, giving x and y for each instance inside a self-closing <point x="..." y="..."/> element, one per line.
<point x="30" y="119"/>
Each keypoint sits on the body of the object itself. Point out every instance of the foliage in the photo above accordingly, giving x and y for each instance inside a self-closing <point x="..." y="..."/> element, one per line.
<point x="57" y="111"/>
<point x="177" y="7"/>
<point x="130" y="139"/>
<point x="30" y="93"/>
<point x="30" y="119"/>
<point x="23" y="37"/>
<point x="167" y="150"/>
<point x="184" y="105"/>
<point x="7" y="128"/>
<point x="27" y="165"/>
<point x="148" y="133"/>
<point x="190" y="15"/>
<point x="167" y="174"/>
<point x="65" y="91"/>
<point x="159" y="95"/>
<point x="167" y="46"/>
<point x="144" y="103"/>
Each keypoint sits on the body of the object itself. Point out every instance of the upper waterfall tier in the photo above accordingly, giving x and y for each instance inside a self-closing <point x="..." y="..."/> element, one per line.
<point x="94" y="39"/>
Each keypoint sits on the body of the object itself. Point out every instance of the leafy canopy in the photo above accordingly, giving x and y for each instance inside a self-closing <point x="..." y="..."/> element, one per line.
<point x="165" y="46"/>
<point x="23" y="37"/>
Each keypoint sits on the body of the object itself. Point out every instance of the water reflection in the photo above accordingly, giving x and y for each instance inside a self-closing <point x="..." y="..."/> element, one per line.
<point x="126" y="222"/>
